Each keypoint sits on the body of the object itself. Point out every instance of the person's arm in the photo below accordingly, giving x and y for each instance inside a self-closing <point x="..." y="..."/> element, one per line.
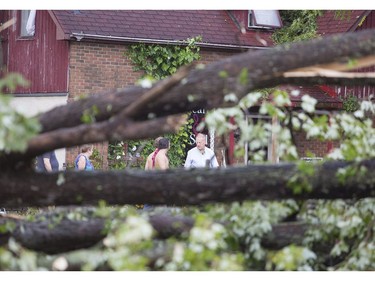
<point x="81" y="163"/>
<point x="148" y="164"/>
<point x="188" y="160"/>
<point x="214" y="162"/>
<point x="47" y="164"/>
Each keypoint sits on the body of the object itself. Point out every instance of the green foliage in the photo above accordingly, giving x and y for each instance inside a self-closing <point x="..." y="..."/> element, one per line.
<point x="348" y="228"/>
<point x="139" y="150"/>
<point x="355" y="131"/>
<point x="224" y="237"/>
<point x="343" y="15"/>
<point x="11" y="81"/>
<point x="350" y="103"/>
<point x="298" y="25"/>
<point x="291" y="258"/>
<point x="160" y="61"/>
<point x="228" y="236"/>
<point x="96" y="159"/>
<point x="301" y="181"/>
<point x="89" y="115"/>
<point x="16" y="129"/>
<point x="116" y="155"/>
<point x="156" y="62"/>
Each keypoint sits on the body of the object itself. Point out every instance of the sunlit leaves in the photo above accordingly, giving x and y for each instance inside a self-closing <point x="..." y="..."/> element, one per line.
<point x="291" y="258"/>
<point x="16" y="129"/>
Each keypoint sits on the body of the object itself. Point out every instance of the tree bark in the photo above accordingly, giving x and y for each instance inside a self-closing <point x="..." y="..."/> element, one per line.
<point x="202" y="88"/>
<point x="53" y="235"/>
<point x="182" y="186"/>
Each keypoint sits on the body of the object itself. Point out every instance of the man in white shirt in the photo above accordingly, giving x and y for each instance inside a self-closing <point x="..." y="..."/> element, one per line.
<point x="201" y="156"/>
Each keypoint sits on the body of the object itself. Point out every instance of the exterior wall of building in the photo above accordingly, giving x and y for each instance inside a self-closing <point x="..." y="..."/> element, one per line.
<point x="307" y="147"/>
<point x="31" y="105"/>
<point x="41" y="59"/>
<point x="99" y="67"/>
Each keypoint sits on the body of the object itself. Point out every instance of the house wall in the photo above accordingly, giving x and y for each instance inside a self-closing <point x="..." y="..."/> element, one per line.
<point x="31" y="105"/>
<point x="41" y="59"/>
<point x="99" y="67"/>
<point x="95" y="68"/>
<point x="318" y="148"/>
<point x="4" y="17"/>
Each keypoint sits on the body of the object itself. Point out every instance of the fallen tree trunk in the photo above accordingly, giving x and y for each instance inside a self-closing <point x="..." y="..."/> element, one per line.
<point x="53" y="235"/>
<point x="182" y="187"/>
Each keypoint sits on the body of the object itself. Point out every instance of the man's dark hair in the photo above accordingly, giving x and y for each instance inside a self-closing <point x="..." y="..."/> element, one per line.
<point x="163" y="143"/>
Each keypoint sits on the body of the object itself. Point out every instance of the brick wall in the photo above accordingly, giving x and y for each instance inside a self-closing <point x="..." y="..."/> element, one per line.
<point x="98" y="67"/>
<point x="318" y="148"/>
<point x="95" y="68"/>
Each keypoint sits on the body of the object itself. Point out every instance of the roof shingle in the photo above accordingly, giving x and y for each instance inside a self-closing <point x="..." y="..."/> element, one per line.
<point x="215" y="26"/>
<point x="330" y="23"/>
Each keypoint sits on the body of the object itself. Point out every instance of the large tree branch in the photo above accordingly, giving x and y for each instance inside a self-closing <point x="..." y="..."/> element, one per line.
<point x="201" y="88"/>
<point x="183" y="187"/>
<point x="52" y="233"/>
<point x="206" y="87"/>
<point x="114" y="129"/>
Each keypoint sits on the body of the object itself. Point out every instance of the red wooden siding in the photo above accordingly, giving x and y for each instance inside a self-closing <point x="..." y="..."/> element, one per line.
<point x="42" y="60"/>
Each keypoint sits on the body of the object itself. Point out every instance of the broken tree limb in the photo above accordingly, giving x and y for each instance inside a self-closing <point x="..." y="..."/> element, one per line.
<point x="156" y="92"/>
<point x="112" y="130"/>
<point x="184" y="187"/>
<point x="205" y="87"/>
<point x="54" y="234"/>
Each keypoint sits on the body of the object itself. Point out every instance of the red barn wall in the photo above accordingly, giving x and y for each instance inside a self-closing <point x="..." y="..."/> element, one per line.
<point x="41" y="59"/>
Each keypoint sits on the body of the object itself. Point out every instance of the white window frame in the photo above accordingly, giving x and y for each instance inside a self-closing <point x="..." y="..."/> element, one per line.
<point x="27" y="25"/>
<point x="266" y="19"/>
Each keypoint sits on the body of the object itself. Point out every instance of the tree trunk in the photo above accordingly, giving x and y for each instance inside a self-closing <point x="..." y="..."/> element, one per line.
<point x="184" y="187"/>
<point x="52" y="234"/>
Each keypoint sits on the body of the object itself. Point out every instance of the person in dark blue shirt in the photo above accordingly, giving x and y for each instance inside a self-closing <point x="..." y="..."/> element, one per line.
<point x="47" y="162"/>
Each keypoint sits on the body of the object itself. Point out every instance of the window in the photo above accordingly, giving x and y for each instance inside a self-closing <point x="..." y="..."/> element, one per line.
<point x="264" y="19"/>
<point x="268" y="145"/>
<point x="27" y="23"/>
